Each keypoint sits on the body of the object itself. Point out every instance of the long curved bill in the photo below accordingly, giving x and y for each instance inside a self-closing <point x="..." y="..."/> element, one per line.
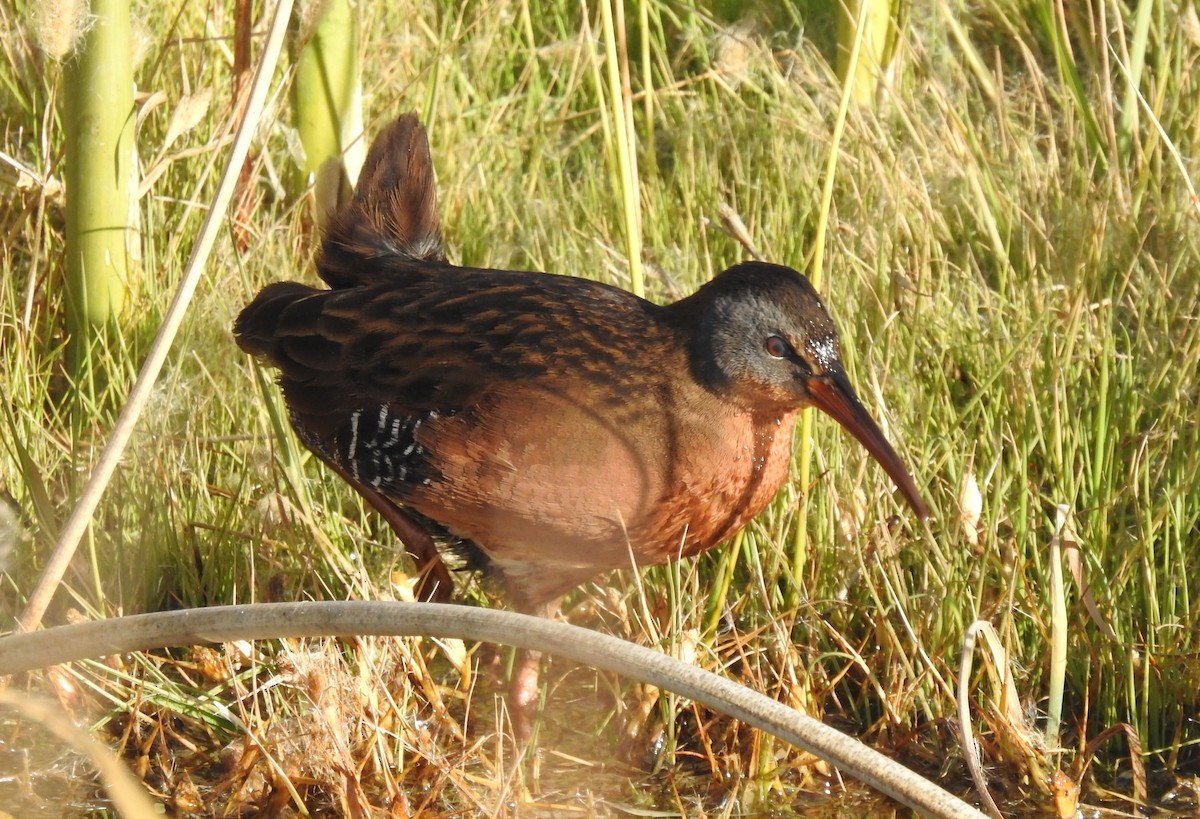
<point x="833" y="395"/>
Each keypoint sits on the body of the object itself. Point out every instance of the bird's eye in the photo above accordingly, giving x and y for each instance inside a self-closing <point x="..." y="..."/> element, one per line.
<point x="777" y="347"/>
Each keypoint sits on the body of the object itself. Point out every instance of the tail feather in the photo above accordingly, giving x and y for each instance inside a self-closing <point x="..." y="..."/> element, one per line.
<point x="393" y="215"/>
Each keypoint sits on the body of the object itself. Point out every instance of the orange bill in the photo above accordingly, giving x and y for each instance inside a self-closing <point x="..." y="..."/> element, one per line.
<point x="833" y="395"/>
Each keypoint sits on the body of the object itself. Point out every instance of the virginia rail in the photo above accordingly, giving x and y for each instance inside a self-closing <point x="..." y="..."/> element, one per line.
<point x="545" y="428"/>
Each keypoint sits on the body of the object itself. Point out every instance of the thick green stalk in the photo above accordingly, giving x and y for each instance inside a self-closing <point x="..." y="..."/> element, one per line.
<point x="327" y="97"/>
<point x="1137" y="66"/>
<point x="102" y="229"/>
<point x="870" y="23"/>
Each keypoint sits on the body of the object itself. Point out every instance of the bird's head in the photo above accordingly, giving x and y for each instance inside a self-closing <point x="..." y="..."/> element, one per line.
<point x="761" y="336"/>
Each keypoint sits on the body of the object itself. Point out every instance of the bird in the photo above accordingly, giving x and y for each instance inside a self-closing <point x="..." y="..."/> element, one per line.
<point x="542" y="428"/>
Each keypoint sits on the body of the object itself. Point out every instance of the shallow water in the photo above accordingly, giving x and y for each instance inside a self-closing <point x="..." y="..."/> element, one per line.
<point x="38" y="777"/>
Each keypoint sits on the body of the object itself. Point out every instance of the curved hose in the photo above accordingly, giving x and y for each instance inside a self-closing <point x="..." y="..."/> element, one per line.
<point x="24" y="652"/>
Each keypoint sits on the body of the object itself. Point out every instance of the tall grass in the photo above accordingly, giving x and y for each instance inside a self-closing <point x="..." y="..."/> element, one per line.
<point x="1011" y="259"/>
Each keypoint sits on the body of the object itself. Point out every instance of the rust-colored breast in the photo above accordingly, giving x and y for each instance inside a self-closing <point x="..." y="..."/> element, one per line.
<point x="558" y="485"/>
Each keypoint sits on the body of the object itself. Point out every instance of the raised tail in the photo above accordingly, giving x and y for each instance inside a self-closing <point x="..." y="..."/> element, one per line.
<point x="393" y="215"/>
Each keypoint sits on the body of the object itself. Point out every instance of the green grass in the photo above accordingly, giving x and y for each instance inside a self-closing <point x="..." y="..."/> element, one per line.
<point x="1012" y="259"/>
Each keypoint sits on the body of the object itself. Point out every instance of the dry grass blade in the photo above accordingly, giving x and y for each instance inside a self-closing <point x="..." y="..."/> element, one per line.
<point x="1137" y="763"/>
<point x="1008" y="717"/>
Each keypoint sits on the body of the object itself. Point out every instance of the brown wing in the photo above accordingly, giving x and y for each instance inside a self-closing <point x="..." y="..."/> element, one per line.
<point x="421" y="344"/>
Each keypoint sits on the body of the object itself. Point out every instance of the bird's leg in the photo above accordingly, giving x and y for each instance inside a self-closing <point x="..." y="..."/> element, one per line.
<point x="433" y="578"/>
<point x="525" y="683"/>
<point x="523" y="693"/>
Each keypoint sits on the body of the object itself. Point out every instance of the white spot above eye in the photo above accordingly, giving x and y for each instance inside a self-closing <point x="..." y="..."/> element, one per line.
<point x="823" y="350"/>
